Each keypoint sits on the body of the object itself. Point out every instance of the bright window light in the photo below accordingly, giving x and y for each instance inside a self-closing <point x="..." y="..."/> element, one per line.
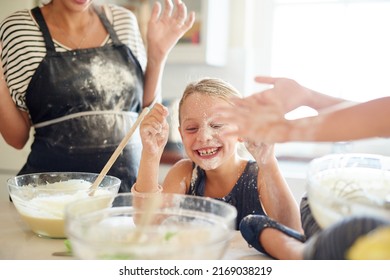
<point x="337" y="47"/>
<point x="341" y="48"/>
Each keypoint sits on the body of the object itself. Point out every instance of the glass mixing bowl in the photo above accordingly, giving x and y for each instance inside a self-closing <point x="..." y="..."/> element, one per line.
<point x="343" y="185"/>
<point x="40" y="198"/>
<point x="159" y="226"/>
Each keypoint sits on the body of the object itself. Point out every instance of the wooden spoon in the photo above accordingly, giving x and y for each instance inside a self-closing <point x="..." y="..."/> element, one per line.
<point x="117" y="152"/>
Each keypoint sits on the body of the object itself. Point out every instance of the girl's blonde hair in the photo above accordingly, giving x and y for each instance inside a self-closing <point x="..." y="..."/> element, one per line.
<point x="214" y="87"/>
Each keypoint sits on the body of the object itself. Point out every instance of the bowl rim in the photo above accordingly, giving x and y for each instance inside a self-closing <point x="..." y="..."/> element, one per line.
<point x="11" y="182"/>
<point x="312" y="182"/>
<point x="231" y="216"/>
<point x="78" y="237"/>
<point x="216" y="201"/>
<point x="338" y="156"/>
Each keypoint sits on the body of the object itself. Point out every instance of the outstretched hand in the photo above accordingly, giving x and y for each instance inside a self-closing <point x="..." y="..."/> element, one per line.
<point x="257" y="118"/>
<point x="288" y="92"/>
<point x="166" y="27"/>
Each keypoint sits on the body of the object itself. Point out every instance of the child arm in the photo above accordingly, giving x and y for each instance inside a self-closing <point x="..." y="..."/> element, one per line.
<point x="274" y="192"/>
<point x="154" y="131"/>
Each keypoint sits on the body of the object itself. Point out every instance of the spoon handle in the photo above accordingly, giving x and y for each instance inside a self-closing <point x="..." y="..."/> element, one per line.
<point x="117" y="151"/>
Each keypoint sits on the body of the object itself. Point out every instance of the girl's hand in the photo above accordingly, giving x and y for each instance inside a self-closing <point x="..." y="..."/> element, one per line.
<point x="261" y="152"/>
<point x="166" y="27"/>
<point x="154" y="130"/>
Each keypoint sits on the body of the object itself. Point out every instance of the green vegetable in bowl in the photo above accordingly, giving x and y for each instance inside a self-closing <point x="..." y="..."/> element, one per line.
<point x="119" y="256"/>
<point x="68" y="246"/>
<point x="169" y="235"/>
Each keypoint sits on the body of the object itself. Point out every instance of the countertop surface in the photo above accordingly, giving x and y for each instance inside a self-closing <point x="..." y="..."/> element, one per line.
<point x="19" y="243"/>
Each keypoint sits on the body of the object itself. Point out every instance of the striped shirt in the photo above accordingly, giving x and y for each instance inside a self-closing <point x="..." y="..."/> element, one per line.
<point x="23" y="46"/>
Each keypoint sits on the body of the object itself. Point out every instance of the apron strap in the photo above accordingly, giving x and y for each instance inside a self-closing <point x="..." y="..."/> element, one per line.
<point x="45" y="30"/>
<point x="46" y="33"/>
<point x="108" y="26"/>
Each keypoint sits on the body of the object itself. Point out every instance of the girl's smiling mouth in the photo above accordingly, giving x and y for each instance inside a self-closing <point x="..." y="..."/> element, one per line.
<point x="208" y="152"/>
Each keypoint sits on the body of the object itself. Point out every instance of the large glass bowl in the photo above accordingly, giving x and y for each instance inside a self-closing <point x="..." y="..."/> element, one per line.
<point x="343" y="185"/>
<point x="40" y="198"/>
<point x="160" y="226"/>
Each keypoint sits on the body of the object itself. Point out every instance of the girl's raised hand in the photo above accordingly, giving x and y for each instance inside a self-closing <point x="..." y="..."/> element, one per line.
<point x="154" y="130"/>
<point x="261" y="152"/>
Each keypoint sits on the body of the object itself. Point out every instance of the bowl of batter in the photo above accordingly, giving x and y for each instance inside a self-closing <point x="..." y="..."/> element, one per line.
<point x="156" y="227"/>
<point x="352" y="184"/>
<point x="40" y="198"/>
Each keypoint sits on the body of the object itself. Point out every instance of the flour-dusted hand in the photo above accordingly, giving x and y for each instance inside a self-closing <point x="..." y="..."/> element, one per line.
<point x="256" y="118"/>
<point x="166" y="27"/>
<point x="154" y="130"/>
<point x="290" y="94"/>
<point x="260" y="117"/>
<point x="260" y="151"/>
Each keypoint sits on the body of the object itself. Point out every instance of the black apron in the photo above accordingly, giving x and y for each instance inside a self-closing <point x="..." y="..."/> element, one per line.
<point x="82" y="103"/>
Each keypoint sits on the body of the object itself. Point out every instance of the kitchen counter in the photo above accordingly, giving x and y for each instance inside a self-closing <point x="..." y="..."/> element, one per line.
<point x="19" y="243"/>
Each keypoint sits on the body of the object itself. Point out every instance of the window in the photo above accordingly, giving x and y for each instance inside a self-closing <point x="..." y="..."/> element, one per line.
<point x="338" y="47"/>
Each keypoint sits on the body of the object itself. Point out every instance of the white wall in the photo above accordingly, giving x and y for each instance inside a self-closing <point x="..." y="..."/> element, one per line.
<point x="9" y="6"/>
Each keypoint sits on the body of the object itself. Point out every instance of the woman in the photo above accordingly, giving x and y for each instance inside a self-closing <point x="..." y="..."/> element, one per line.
<point x="79" y="75"/>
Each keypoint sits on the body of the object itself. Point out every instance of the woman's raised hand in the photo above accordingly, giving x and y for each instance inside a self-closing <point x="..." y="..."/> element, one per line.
<point x="166" y="27"/>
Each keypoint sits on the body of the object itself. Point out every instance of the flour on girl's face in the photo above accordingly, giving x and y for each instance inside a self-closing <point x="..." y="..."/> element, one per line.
<point x="201" y="132"/>
<point x="211" y="164"/>
<point x="210" y="136"/>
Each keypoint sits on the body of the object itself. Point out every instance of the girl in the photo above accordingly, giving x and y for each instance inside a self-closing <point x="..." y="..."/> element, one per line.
<point x="213" y="167"/>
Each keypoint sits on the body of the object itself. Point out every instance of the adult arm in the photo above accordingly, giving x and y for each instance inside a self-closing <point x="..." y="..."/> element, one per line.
<point x="293" y="95"/>
<point x="338" y="119"/>
<point x="364" y="120"/>
<point x="165" y="28"/>
<point x="14" y="123"/>
<point x="268" y="124"/>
